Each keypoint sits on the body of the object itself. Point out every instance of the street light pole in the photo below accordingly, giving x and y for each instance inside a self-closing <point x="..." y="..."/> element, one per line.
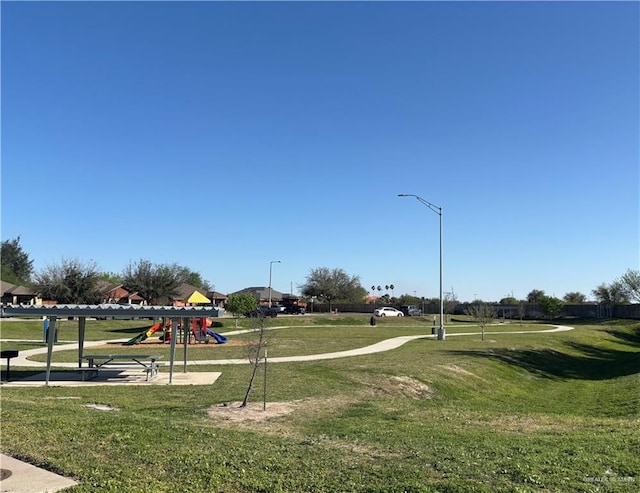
<point x="437" y="210"/>
<point x="270" y="269"/>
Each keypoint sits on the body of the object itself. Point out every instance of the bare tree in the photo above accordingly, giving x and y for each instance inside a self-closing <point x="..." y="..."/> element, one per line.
<point x="482" y="314"/>
<point x="631" y="284"/>
<point x="255" y="350"/>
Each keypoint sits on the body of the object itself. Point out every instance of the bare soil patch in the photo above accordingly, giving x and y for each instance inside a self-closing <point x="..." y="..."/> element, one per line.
<point x="231" y="412"/>
<point x="400" y="386"/>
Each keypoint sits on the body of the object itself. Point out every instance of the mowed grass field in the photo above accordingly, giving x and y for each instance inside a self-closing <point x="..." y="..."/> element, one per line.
<point x="537" y="412"/>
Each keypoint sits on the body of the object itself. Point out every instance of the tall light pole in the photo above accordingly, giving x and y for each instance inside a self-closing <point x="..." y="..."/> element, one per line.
<point x="270" y="269"/>
<point x="438" y="210"/>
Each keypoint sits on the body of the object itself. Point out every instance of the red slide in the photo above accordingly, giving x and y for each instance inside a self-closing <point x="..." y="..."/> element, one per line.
<point x="141" y="337"/>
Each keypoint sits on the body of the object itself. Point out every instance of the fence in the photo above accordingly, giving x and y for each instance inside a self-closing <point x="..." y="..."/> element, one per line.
<point x="529" y="310"/>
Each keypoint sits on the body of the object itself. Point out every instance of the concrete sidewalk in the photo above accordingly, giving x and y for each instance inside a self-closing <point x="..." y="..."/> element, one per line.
<point x="21" y="477"/>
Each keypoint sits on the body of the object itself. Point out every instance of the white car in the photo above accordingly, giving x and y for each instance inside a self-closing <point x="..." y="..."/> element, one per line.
<point x="387" y="311"/>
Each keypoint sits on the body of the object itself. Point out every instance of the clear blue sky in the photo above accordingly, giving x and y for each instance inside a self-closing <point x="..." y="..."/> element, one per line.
<point x="224" y="135"/>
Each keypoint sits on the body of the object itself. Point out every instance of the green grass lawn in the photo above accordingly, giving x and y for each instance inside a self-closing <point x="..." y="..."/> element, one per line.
<point x="516" y="412"/>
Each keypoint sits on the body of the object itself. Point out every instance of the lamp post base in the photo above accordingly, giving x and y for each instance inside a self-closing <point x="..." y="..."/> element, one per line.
<point x="442" y="334"/>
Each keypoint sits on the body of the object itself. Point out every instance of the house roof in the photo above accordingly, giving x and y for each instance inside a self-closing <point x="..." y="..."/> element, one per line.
<point x="7" y="287"/>
<point x="185" y="291"/>
<point x="216" y="295"/>
<point x="106" y="286"/>
<point x="261" y="292"/>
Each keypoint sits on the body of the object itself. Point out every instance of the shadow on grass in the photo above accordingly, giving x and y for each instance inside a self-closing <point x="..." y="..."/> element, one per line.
<point x="584" y="362"/>
<point x="632" y="338"/>
<point x="130" y="330"/>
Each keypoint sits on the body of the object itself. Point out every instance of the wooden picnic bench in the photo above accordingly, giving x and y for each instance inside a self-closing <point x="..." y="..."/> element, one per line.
<point x="100" y="361"/>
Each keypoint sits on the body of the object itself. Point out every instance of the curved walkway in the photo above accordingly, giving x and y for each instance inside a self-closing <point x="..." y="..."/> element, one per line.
<point x="378" y="347"/>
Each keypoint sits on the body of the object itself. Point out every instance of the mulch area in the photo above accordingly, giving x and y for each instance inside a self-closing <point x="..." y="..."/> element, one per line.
<point x="157" y="343"/>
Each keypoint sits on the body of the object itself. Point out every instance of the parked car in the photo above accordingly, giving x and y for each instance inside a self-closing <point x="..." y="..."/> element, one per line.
<point x="387" y="311"/>
<point x="279" y="308"/>
<point x="262" y="311"/>
<point x="411" y="310"/>
<point x="295" y="310"/>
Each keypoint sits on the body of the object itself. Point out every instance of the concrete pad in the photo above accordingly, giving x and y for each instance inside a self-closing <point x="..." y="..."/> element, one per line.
<point x="114" y="377"/>
<point x="26" y="478"/>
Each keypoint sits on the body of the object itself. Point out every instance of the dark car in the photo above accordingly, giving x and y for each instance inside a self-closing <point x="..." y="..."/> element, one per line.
<point x="411" y="310"/>
<point x="295" y="310"/>
<point x="262" y="311"/>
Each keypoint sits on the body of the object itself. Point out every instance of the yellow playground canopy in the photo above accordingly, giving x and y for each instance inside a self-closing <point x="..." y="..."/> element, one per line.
<point x="197" y="297"/>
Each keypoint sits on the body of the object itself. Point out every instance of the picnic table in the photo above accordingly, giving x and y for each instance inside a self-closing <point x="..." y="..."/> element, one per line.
<point x="100" y="361"/>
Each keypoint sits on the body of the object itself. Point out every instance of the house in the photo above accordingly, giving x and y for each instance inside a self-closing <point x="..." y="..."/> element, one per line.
<point x="13" y="294"/>
<point x="186" y="295"/>
<point x="261" y="294"/>
<point x="117" y="294"/>
<point x="218" y="299"/>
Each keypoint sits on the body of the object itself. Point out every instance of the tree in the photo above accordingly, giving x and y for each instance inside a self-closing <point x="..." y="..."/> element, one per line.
<point x="239" y="304"/>
<point x="255" y="350"/>
<point x="551" y="305"/>
<point x="71" y="281"/>
<point x="194" y="278"/>
<point x="509" y="300"/>
<point x="574" y="298"/>
<point x="535" y="295"/>
<point x="449" y="302"/>
<point x="333" y="284"/>
<point x="111" y="277"/>
<point x="16" y="266"/>
<point x="611" y="294"/>
<point x="482" y="314"/>
<point x="631" y="284"/>
<point x="157" y="284"/>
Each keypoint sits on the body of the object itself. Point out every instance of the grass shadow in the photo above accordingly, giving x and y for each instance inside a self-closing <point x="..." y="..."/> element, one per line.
<point x="581" y="361"/>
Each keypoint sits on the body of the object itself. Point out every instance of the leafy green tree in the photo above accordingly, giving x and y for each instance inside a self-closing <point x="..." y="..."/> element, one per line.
<point x="71" y="281"/>
<point x="240" y="303"/>
<point x="482" y="314"/>
<point x="111" y="277"/>
<point x="550" y="305"/>
<point x="535" y="295"/>
<point x="194" y="278"/>
<point x="156" y="283"/>
<point x="330" y="285"/>
<point x="509" y="300"/>
<point x="575" y="298"/>
<point x="16" y="266"/>
<point x="631" y="284"/>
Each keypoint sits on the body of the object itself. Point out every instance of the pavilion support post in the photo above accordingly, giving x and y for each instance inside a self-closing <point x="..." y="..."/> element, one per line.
<point x="51" y="337"/>
<point x="172" y="356"/>
<point x="184" y="367"/>
<point x="82" y="324"/>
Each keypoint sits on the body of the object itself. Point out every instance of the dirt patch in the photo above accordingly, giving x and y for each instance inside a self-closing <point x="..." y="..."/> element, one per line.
<point x="231" y="412"/>
<point x="401" y="387"/>
<point x="460" y="371"/>
<point x="255" y="414"/>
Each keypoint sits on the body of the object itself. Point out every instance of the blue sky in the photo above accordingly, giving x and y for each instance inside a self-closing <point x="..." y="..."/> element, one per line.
<point x="225" y="135"/>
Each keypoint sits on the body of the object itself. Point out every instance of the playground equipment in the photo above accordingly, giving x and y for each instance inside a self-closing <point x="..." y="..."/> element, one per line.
<point x="199" y="330"/>
<point x="219" y="338"/>
<point x="144" y="335"/>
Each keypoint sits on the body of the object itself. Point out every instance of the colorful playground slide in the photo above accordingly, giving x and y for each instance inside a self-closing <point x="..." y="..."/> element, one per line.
<point x="220" y="339"/>
<point x="147" y="333"/>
